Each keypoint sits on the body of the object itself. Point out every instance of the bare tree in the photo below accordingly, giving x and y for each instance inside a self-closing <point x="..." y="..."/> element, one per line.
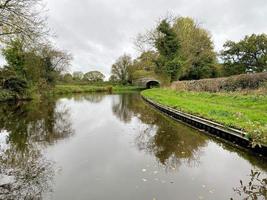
<point x="21" y="18"/>
<point x="58" y="60"/>
<point x="144" y="42"/>
<point x="120" y="69"/>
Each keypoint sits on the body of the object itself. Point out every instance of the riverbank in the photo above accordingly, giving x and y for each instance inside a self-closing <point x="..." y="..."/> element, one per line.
<point x="68" y="89"/>
<point x="243" y="112"/>
<point x="6" y="95"/>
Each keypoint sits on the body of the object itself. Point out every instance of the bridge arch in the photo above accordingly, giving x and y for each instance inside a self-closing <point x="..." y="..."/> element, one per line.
<point x="152" y="83"/>
<point x="147" y="82"/>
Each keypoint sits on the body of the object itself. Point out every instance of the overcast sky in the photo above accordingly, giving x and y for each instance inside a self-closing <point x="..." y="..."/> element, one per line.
<point x="97" y="32"/>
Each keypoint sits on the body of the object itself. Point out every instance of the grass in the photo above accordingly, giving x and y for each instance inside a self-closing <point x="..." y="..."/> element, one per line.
<point x="67" y="89"/>
<point x="244" y="112"/>
<point x="6" y="95"/>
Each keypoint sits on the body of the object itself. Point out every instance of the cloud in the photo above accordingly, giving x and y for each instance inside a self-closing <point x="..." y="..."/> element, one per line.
<point x="97" y="32"/>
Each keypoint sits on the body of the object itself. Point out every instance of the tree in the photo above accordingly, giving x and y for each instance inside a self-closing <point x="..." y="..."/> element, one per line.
<point x="120" y="69"/>
<point x="94" y="76"/>
<point x="77" y="76"/>
<point x="113" y="79"/>
<point x="247" y="55"/>
<point x="143" y="66"/>
<point x="54" y="61"/>
<point x="185" y="49"/>
<point x="196" y="48"/>
<point x="168" y="46"/>
<point x="38" y="67"/>
<point x="20" y="18"/>
<point x="146" y="61"/>
<point x="67" y="78"/>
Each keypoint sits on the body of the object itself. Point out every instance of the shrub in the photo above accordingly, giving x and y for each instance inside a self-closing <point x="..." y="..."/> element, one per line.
<point x="15" y="84"/>
<point x="232" y="83"/>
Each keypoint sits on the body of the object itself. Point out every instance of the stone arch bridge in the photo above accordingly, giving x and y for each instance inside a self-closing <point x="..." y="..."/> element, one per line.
<point x="147" y="82"/>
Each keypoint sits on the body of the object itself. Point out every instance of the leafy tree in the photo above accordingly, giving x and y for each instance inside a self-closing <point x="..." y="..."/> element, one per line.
<point x="143" y="66"/>
<point x="120" y="69"/>
<point x="168" y="46"/>
<point x="77" y="76"/>
<point x="196" y="48"/>
<point x="39" y="67"/>
<point x="15" y="84"/>
<point x="185" y="49"/>
<point x="54" y="61"/>
<point x="15" y="57"/>
<point x="67" y="78"/>
<point x="94" y="76"/>
<point x="113" y="79"/>
<point x="146" y="61"/>
<point x="247" y="55"/>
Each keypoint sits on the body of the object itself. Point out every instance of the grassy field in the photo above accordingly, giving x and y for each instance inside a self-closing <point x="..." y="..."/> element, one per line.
<point x="67" y="89"/>
<point x="244" y="112"/>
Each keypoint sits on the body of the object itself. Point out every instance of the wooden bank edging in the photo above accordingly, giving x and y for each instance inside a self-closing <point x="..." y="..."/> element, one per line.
<point x="232" y="135"/>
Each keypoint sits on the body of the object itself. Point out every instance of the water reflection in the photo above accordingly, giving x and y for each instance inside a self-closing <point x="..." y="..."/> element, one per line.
<point x="254" y="189"/>
<point x="26" y="128"/>
<point x="93" y="98"/>
<point x="170" y="142"/>
<point x="120" y="145"/>
<point x="120" y="107"/>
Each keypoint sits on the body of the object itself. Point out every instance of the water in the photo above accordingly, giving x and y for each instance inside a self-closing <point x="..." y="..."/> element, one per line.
<point x="116" y="147"/>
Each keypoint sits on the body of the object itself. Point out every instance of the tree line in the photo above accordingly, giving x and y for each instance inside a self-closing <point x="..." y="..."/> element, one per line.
<point x="80" y="77"/>
<point x="178" y="48"/>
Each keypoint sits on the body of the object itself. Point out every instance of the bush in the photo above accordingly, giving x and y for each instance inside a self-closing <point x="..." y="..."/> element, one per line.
<point x="232" y="83"/>
<point x="15" y="84"/>
<point x="5" y="95"/>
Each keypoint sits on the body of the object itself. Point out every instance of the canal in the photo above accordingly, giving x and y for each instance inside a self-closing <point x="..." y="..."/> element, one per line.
<point x="116" y="147"/>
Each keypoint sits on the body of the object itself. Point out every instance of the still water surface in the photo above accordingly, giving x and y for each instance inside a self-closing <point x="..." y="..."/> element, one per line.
<point x="116" y="147"/>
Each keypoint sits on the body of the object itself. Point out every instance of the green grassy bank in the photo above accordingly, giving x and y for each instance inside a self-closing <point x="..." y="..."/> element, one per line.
<point x="6" y="95"/>
<point x="244" y="112"/>
<point x="67" y="89"/>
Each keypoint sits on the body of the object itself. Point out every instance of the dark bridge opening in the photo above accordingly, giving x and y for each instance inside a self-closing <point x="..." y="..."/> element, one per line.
<point x="152" y="84"/>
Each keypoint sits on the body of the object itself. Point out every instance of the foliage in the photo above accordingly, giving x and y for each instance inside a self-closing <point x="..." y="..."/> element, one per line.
<point x="67" y="78"/>
<point x="54" y="62"/>
<point x="233" y="83"/>
<point x="21" y="18"/>
<point x="247" y="55"/>
<point x="6" y="95"/>
<point x="77" y="75"/>
<point x="196" y="48"/>
<point x="113" y="79"/>
<point x="15" y="84"/>
<point x="38" y="68"/>
<point x="233" y="110"/>
<point x="185" y="50"/>
<point x="145" y="64"/>
<point x="168" y="46"/>
<point x="120" y="69"/>
<point x="94" y="76"/>
<point x="29" y="61"/>
<point x="146" y="61"/>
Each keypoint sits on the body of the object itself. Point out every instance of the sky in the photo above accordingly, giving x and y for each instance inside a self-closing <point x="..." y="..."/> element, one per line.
<point x="97" y="32"/>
